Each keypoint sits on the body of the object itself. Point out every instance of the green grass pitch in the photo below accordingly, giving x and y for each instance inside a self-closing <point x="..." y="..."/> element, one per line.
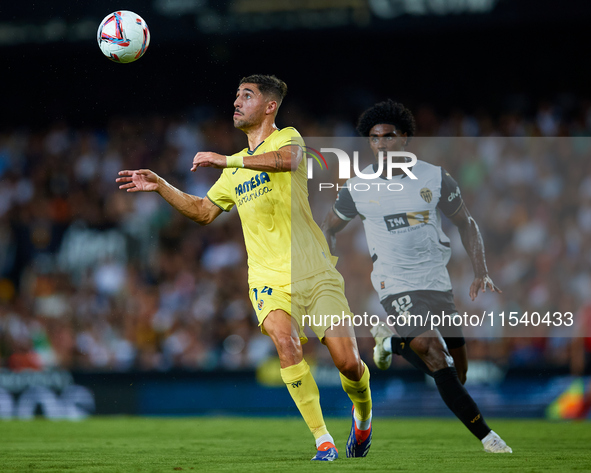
<point x="130" y="444"/>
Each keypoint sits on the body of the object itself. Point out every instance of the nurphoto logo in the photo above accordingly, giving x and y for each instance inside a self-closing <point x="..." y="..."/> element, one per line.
<point x="345" y="167"/>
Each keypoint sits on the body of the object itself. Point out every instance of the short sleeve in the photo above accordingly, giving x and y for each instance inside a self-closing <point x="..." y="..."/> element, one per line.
<point x="450" y="201"/>
<point x="220" y="193"/>
<point x="289" y="137"/>
<point x="344" y="207"/>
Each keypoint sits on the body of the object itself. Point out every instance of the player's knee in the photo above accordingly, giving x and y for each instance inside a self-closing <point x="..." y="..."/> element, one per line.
<point x="438" y="361"/>
<point x="287" y="345"/>
<point x="421" y="346"/>
<point x="440" y="356"/>
<point x="432" y="352"/>
<point x="351" y="368"/>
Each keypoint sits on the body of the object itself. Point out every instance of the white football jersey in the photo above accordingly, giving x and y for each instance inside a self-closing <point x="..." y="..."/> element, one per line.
<point x="403" y="227"/>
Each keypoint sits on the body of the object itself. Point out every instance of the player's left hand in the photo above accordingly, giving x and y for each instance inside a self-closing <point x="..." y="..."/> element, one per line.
<point x="480" y="284"/>
<point x="208" y="159"/>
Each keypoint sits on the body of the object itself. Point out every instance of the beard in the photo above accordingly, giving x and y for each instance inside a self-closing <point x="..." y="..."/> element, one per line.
<point x="241" y="122"/>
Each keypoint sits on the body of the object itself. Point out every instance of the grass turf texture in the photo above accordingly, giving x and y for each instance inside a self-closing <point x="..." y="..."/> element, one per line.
<point x="120" y="444"/>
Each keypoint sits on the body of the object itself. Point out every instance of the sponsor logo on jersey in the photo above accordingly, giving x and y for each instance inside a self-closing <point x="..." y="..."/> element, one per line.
<point x="397" y="221"/>
<point x="415" y="218"/>
<point x="453" y="195"/>
<point x="426" y="194"/>
<point x="252" y="184"/>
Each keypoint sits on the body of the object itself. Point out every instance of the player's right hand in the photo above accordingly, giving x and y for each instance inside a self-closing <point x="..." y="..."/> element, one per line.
<point x="141" y="180"/>
<point x="480" y="284"/>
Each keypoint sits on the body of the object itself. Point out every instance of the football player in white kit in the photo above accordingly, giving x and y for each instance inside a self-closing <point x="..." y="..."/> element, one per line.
<point x="410" y="253"/>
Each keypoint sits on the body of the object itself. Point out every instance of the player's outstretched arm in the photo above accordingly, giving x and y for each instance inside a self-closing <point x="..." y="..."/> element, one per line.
<point x="474" y="245"/>
<point x="284" y="159"/>
<point x="200" y="210"/>
<point x="331" y="225"/>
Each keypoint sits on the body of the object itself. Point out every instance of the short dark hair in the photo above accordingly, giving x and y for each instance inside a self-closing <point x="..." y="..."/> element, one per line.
<point x="268" y="85"/>
<point x="388" y="112"/>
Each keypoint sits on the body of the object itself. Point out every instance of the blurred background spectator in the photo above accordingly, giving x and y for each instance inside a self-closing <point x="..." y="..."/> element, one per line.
<point x="92" y="278"/>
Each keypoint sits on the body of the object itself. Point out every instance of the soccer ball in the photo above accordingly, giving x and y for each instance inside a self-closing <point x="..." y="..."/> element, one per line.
<point x="123" y="36"/>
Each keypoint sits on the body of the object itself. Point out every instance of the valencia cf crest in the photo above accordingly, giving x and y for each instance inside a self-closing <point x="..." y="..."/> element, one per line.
<point x="261" y="303"/>
<point x="382" y="285"/>
<point x="426" y="194"/>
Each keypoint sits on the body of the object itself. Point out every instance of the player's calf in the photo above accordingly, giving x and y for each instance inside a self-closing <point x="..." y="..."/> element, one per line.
<point x="435" y="355"/>
<point x="431" y="349"/>
<point x="460" y="402"/>
<point x="460" y="357"/>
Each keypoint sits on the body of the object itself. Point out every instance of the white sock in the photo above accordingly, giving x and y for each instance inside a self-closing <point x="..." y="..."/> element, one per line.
<point x="387" y="344"/>
<point x="363" y="424"/>
<point x="324" y="438"/>
<point x="489" y="436"/>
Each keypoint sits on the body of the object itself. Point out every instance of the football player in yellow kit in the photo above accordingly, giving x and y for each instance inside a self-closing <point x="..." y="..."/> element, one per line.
<point x="291" y="271"/>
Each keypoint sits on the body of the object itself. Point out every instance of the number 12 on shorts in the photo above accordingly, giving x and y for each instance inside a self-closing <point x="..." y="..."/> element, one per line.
<point x="402" y="304"/>
<point x="266" y="290"/>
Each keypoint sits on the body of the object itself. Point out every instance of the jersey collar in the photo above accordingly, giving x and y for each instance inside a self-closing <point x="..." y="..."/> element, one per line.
<point x="257" y="147"/>
<point x="250" y="153"/>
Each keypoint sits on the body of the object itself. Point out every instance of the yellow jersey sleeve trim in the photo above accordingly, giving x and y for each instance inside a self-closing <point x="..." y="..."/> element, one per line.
<point x="216" y="204"/>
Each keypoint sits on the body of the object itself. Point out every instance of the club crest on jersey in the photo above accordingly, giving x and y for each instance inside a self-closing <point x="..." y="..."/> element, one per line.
<point x="261" y="303"/>
<point x="426" y="194"/>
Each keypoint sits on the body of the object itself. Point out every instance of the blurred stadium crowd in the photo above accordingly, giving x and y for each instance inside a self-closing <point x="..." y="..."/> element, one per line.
<point x="93" y="278"/>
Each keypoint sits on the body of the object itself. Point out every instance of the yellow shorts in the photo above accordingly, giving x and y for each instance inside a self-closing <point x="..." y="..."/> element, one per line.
<point x="318" y="302"/>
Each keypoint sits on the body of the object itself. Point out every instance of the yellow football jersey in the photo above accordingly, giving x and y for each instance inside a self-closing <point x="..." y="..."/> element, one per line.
<point x="283" y="242"/>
